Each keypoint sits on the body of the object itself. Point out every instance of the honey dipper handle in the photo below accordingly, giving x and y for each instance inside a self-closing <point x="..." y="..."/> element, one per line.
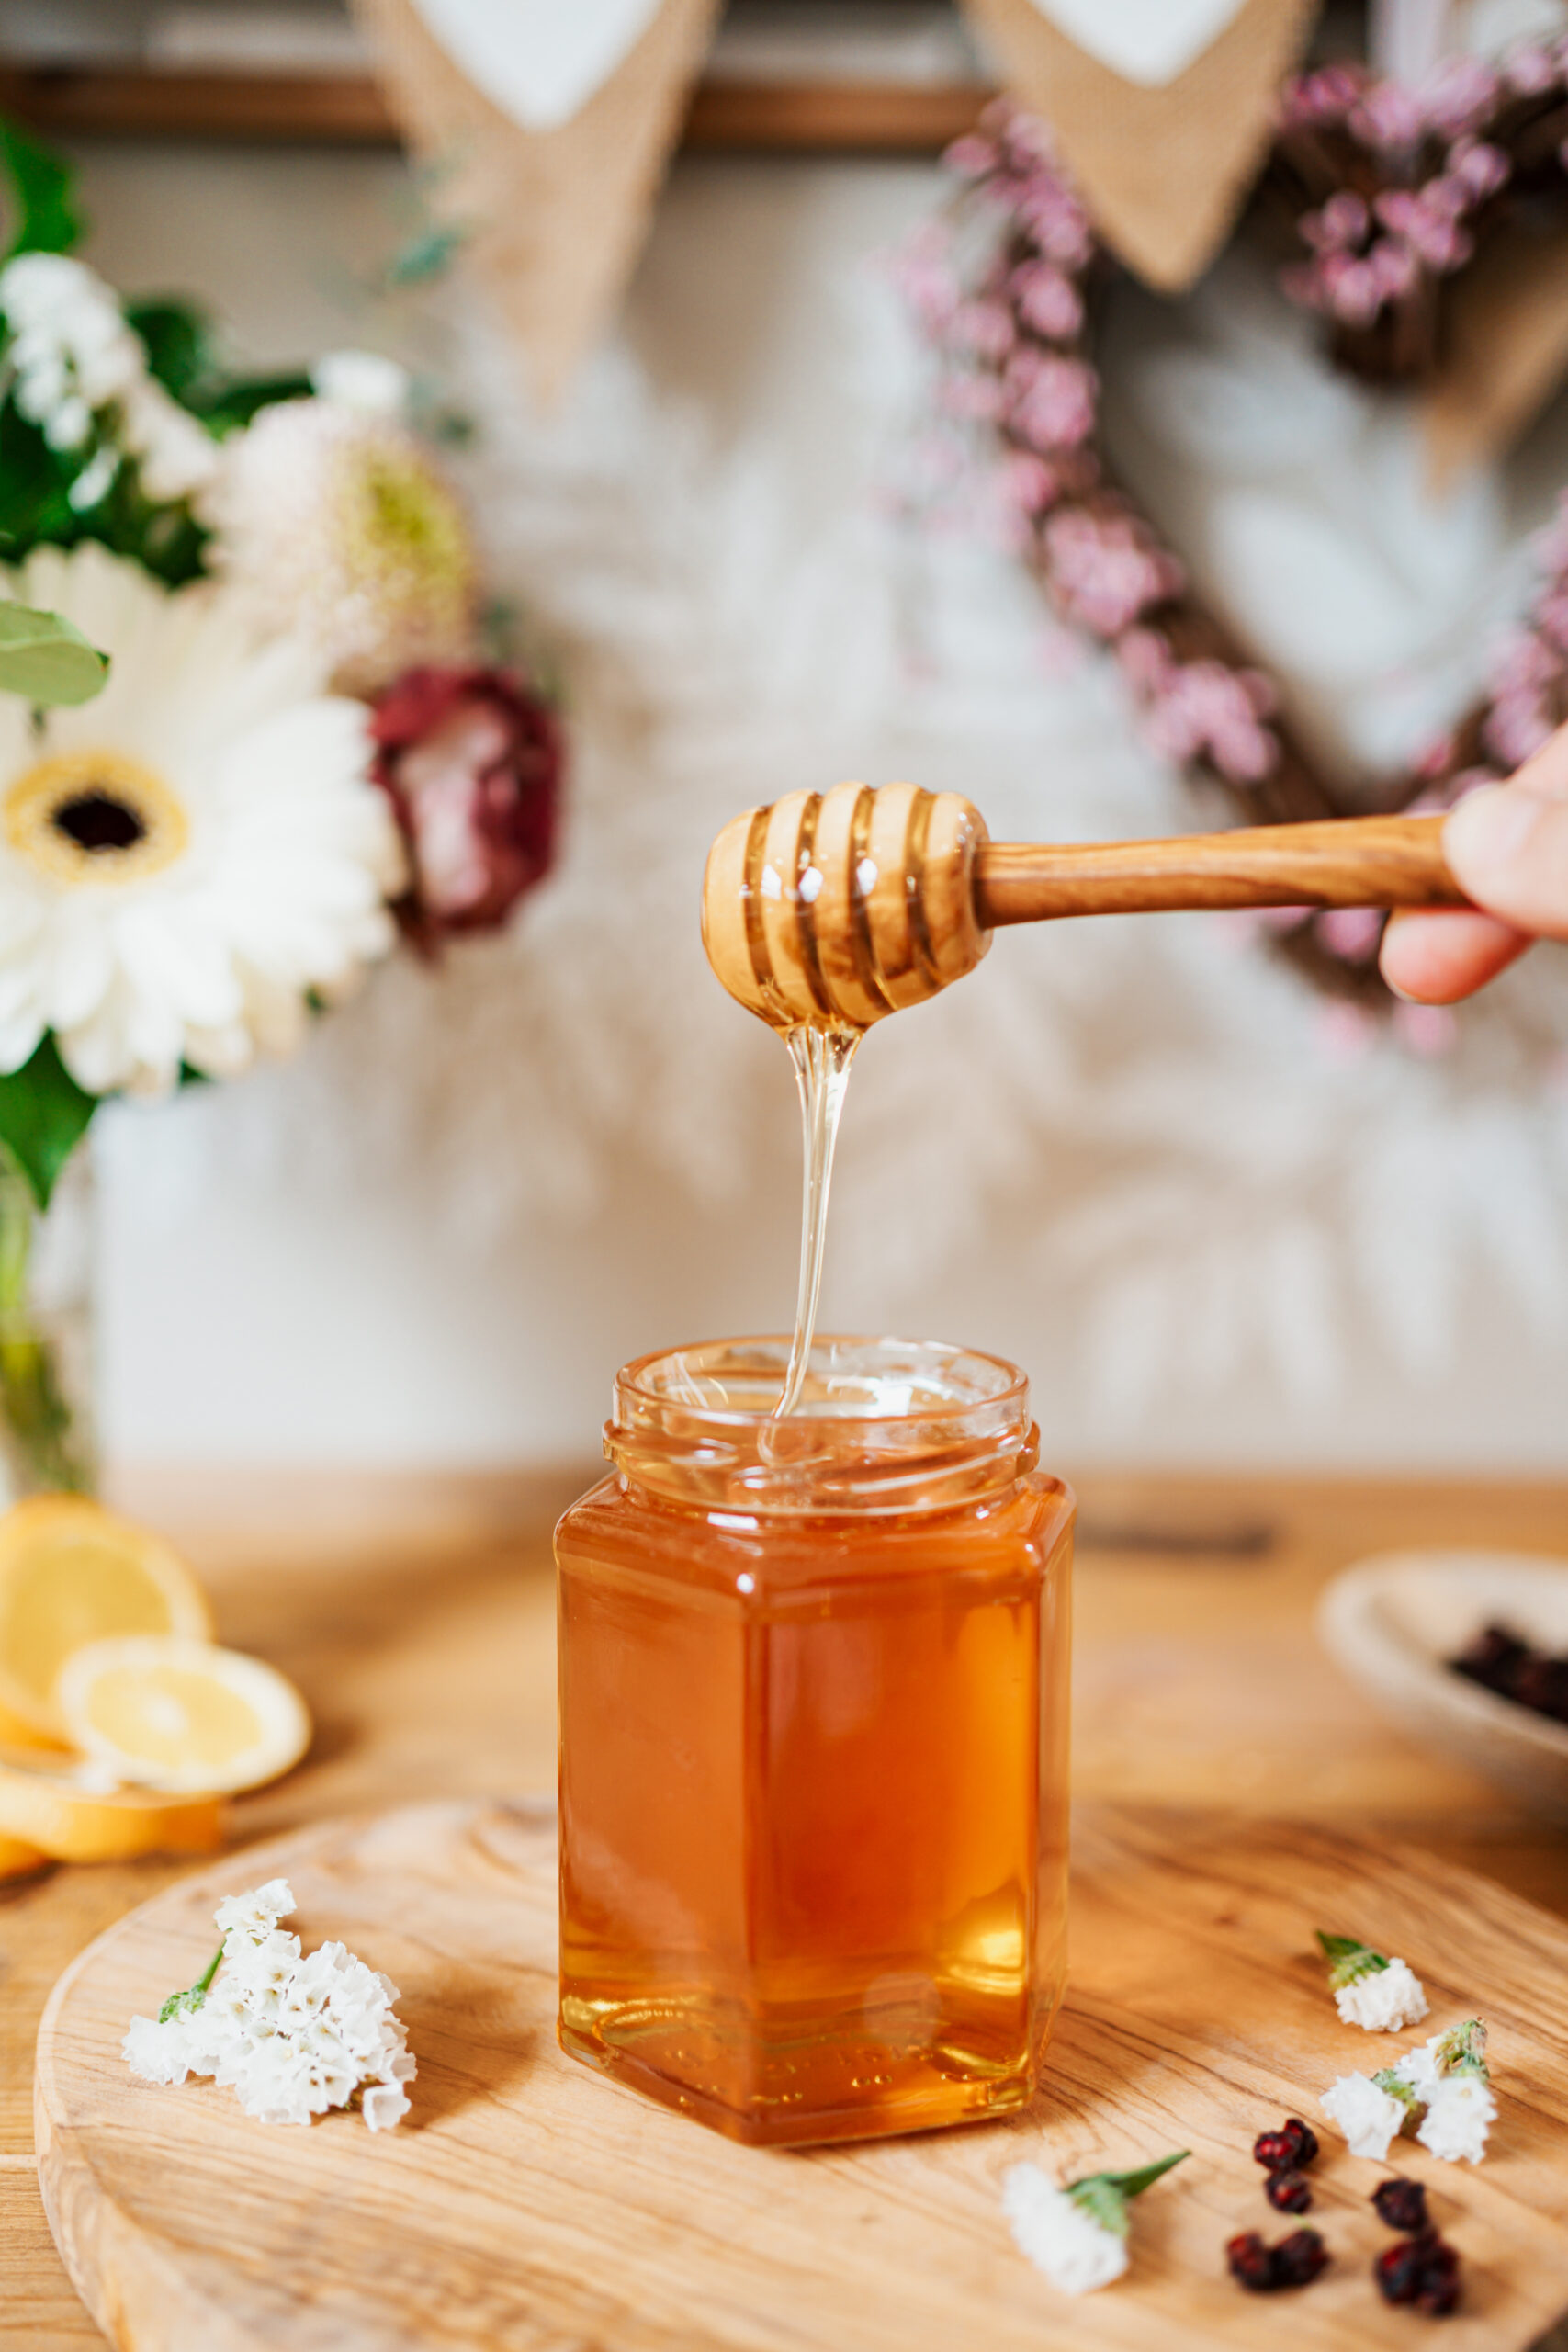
<point x="1349" y="862"/>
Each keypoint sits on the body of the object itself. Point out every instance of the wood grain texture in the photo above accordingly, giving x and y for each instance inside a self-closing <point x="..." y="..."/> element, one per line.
<point x="802" y="117"/>
<point x="417" y="1614"/>
<point x="1351" y="861"/>
<point x="530" y="2204"/>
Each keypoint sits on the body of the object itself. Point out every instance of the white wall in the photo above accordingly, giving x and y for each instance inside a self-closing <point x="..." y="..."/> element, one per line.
<point x="1138" y="1161"/>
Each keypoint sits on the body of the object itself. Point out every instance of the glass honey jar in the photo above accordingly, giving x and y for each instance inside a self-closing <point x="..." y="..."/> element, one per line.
<point x="814" y="1741"/>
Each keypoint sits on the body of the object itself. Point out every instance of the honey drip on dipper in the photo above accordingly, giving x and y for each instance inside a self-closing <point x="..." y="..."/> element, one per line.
<point x="827" y="912"/>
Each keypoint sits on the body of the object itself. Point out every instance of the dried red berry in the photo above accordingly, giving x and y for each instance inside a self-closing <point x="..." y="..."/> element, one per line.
<point x="1251" y="2262"/>
<point x="1422" y="2270"/>
<point x="1438" y="2293"/>
<point x="1286" y="2191"/>
<point x="1403" y="2205"/>
<point x="1299" y="2259"/>
<point x="1398" y="2271"/>
<point x="1294" y="2144"/>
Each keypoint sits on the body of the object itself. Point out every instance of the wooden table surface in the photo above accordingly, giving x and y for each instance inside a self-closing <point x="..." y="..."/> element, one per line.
<point x="418" y="1618"/>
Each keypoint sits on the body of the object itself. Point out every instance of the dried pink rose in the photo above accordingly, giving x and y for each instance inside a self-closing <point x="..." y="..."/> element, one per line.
<point x="471" y="761"/>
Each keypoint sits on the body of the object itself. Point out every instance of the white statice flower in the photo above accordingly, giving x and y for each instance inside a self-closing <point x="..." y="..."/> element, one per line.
<point x="81" y="370"/>
<point x="1460" y="2110"/>
<point x="158" y="2050"/>
<point x="252" y="1918"/>
<point x="188" y="860"/>
<point x="1077" y="2253"/>
<point x="362" y="379"/>
<point x="1384" y="1999"/>
<point x="334" y="519"/>
<point x="1370" y="2117"/>
<point x="292" y="2035"/>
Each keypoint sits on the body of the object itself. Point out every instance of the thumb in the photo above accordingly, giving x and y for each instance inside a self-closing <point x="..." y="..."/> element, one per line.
<point x="1508" y="847"/>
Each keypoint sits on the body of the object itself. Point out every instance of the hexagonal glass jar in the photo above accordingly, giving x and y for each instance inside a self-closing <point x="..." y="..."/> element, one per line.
<point x="814" y="1741"/>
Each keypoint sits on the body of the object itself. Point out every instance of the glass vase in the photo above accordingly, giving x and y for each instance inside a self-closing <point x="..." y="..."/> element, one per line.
<point x="46" y="1264"/>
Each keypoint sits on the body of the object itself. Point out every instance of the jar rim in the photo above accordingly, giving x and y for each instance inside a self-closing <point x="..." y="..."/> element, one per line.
<point x="887" y="1425"/>
<point x="842" y="1359"/>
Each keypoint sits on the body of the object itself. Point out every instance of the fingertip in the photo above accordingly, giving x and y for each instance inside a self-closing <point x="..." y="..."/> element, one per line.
<point x="1440" y="956"/>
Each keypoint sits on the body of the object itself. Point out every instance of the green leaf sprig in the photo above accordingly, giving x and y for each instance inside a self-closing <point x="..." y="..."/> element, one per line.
<point x="1349" y="1960"/>
<point x="1105" y="2196"/>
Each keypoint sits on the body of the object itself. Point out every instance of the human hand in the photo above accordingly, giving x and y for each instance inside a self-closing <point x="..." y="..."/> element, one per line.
<point x="1506" y="845"/>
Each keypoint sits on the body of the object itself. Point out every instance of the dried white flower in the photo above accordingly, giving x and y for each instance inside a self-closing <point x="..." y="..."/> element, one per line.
<point x="1370" y="1989"/>
<point x="1384" y="2000"/>
<point x="1076" y="2235"/>
<point x="158" y="2052"/>
<point x="292" y="2035"/>
<point x="1074" y="2251"/>
<point x="1459" y="2112"/>
<point x="1369" y="2114"/>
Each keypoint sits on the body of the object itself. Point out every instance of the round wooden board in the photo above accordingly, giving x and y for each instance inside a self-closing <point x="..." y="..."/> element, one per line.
<point x="528" y="2205"/>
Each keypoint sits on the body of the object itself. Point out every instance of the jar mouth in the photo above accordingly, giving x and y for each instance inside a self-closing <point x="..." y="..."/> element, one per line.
<point x="884" y="1425"/>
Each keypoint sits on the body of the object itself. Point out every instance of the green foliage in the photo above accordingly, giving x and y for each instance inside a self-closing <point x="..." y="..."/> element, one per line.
<point x="1348" y="1960"/>
<point x="43" y="1117"/>
<point x="36" y="509"/>
<point x="43" y="196"/>
<point x="183" y="354"/>
<point x="46" y="660"/>
<point x="1104" y="2196"/>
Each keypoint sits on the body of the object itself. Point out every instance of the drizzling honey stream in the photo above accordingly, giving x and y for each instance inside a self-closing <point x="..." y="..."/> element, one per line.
<point x="852" y="903"/>
<point x="826" y="911"/>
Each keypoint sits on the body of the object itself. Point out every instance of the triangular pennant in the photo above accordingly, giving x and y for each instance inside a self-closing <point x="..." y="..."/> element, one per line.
<point x="553" y="219"/>
<point x="1505" y="352"/>
<point x="1148" y="41"/>
<point x="1163" y="170"/>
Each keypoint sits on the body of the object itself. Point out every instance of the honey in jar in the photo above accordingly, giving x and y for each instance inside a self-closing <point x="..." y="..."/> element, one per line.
<point x="814" y="1741"/>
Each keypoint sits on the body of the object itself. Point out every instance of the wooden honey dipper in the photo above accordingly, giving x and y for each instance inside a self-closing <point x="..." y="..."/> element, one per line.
<point x="843" y="906"/>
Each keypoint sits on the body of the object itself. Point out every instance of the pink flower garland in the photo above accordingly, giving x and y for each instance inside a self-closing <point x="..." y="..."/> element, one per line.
<point x="1000" y="286"/>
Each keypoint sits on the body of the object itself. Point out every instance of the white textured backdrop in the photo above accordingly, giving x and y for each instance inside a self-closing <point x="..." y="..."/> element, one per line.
<point x="1215" y="1225"/>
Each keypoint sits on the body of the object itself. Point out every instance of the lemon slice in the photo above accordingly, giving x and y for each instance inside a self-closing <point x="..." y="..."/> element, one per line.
<point x="72" y="1572"/>
<point x="59" y="1810"/>
<point x="177" y="1714"/>
<point x="17" y="1858"/>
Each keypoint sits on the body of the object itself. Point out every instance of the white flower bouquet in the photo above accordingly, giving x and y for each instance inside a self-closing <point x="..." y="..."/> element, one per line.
<point x="303" y="748"/>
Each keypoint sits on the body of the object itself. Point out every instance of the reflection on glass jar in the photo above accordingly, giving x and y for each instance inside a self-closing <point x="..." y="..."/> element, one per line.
<point x="814" y="1741"/>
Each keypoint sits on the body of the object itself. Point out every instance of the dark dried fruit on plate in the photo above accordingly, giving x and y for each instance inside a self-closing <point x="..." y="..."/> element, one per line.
<point x="1287" y="2191"/>
<point x="1295" y="2143"/>
<point x="1261" y="2268"/>
<point x="1251" y="2262"/>
<point x="1300" y="2257"/>
<point x="1500" y="1660"/>
<point x="1403" y="2205"/>
<point x="1423" y="2271"/>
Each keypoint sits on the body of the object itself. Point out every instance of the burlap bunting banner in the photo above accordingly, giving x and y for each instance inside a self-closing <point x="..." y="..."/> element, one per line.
<point x="550" y="122"/>
<point x="1163" y="168"/>
<point x="554" y="217"/>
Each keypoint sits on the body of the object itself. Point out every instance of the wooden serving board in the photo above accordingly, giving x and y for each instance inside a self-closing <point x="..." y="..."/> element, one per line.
<point x="528" y="2205"/>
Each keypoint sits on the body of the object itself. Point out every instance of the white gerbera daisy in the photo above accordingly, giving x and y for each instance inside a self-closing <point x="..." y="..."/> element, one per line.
<point x="336" y="520"/>
<point x="184" y="861"/>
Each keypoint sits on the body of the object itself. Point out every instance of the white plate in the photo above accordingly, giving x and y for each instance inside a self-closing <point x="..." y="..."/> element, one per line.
<point x="1390" y="1623"/>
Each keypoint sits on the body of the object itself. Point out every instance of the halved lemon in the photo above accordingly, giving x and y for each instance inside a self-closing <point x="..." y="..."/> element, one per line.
<point x="17" y="1858"/>
<point x="164" y="1713"/>
<point x="55" y="1809"/>
<point x="72" y="1572"/>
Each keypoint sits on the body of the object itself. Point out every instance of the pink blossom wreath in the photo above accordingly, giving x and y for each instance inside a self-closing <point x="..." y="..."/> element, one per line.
<point x="1390" y="193"/>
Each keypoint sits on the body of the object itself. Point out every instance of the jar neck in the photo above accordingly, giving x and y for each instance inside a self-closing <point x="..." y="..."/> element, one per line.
<point x="886" y="1427"/>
